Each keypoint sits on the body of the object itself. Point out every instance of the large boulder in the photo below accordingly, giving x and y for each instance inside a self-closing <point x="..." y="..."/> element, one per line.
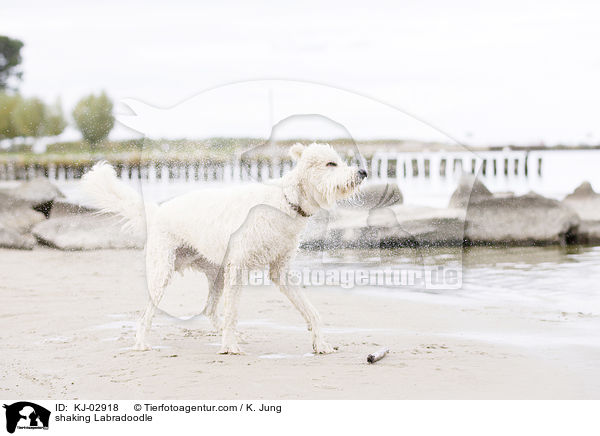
<point x="365" y="221"/>
<point x="65" y="208"/>
<point x="40" y="193"/>
<point x="469" y="189"/>
<point x="403" y="225"/>
<point x="507" y="219"/>
<point x="375" y="196"/>
<point x="10" y="238"/>
<point x="586" y="203"/>
<point x="588" y="232"/>
<point x="396" y="226"/>
<point x="21" y="208"/>
<point x="85" y="231"/>
<point x="16" y="220"/>
<point x="524" y="220"/>
<point x="584" y="190"/>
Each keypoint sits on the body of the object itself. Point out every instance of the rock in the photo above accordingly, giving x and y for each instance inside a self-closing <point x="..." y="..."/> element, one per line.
<point x="9" y="238"/>
<point x="65" y="207"/>
<point x="36" y="191"/>
<point x="418" y="227"/>
<point x="86" y="231"/>
<point x="396" y="226"/>
<point x="362" y="222"/>
<point x="21" y="208"/>
<point x="588" y="232"/>
<point x="375" y="196"/>
<point x="16" y="220"/>
<point x="470" y="189"/>
<point x="514" y="220"/>
<point x="583" y="191"/>
<point x="585" y="202"/>
<point x="526" y="220"/>
<point x="40" y="193"/>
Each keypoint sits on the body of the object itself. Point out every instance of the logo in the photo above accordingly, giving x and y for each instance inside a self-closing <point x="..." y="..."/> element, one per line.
<point x="26" y="415"/>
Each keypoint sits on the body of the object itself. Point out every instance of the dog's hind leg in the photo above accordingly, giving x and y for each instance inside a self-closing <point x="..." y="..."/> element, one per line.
<point x="215" y="290"/>
<point x="306" y="309"/>
<point x="160" y="263"/>
<point x="231" y="292"/>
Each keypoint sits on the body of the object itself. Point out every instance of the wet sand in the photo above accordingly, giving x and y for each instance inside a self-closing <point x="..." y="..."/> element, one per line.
<point x="67" y="320"/>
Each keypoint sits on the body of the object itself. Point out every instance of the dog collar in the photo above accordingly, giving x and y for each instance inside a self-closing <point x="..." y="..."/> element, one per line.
<point x="296" y="208"/>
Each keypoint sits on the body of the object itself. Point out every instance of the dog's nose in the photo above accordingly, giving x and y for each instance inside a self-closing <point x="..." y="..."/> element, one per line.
<point x="362" y="173"/>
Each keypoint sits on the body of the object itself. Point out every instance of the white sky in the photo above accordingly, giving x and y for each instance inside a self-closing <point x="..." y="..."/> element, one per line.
<point x="488" y="73"/>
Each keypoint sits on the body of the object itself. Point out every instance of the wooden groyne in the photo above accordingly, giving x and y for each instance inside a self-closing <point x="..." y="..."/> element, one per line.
<point x="381" y="166"/>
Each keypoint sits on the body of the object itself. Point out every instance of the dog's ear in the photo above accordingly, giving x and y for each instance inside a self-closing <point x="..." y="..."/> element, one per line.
<point x="296" y="151"/>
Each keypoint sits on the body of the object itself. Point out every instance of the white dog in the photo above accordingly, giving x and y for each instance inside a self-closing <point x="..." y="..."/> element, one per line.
<point x="224" y="231"/>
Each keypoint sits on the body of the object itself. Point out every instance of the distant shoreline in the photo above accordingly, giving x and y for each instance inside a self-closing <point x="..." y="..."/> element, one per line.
<point x="218" y="147"/>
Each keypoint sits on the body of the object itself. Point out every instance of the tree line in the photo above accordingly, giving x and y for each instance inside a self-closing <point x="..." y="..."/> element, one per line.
<point x="23" y="117"/>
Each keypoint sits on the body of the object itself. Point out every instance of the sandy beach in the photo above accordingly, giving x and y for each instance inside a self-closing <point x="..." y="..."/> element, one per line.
<point x="67" y="320"/>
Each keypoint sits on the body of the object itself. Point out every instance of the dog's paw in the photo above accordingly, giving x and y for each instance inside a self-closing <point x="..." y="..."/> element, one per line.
<point x="322" y="348"/>
<point x="231" y="349"/>
<point x="141" y="346"/>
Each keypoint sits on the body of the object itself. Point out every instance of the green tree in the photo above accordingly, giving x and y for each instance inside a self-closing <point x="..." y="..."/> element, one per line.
<point x="8" y="103"/>
<point x="28" y="117"/>
<point x="10" y="58"/>
<point x="54" y="121"/>
<point x="93" y="117"/>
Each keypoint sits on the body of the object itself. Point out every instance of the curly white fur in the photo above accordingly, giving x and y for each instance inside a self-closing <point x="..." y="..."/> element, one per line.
<point x="109" y="195"/>
<point x="222" y="231"/>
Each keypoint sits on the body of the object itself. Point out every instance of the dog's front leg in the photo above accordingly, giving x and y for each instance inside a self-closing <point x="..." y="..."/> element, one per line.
<point x="306" y="309"/>
<point x="231" y="293"/>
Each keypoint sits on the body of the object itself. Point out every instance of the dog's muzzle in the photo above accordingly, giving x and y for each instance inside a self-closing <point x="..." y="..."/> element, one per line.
<point x="362" y="174"/>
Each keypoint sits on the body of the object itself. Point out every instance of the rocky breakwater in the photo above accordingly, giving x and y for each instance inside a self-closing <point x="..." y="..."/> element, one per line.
<point x="21" y="208"/>
<point x="474" y="216"/>
<point x="36" y="212"/>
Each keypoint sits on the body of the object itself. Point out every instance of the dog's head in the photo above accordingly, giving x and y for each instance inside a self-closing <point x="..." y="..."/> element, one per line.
<point x="323" y="175"/>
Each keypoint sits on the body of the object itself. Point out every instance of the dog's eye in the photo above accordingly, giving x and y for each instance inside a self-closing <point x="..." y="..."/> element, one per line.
<point x="331" y="164"/>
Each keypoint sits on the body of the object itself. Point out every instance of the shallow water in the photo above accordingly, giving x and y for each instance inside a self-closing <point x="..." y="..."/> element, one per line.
<point x="562" y="279"/>
<point x="557" y="288"/>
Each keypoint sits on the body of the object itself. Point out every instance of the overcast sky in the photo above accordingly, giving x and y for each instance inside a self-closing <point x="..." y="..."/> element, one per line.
<point x="503" y="72"/>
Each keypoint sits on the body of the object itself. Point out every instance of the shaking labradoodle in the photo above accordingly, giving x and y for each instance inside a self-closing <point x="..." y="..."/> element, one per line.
<point x="224" y="231"/>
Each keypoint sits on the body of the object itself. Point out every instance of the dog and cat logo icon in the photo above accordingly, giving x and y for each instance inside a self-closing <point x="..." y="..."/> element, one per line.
<point x="26" y="415"/>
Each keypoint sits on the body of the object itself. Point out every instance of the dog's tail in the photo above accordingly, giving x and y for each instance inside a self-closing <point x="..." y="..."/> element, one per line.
<point x="104" y="191"/>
